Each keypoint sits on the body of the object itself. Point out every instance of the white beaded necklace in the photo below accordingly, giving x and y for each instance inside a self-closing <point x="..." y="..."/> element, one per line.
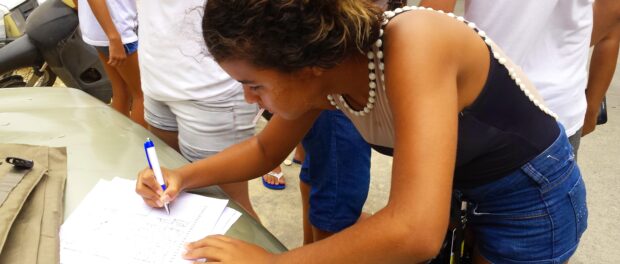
<point x="372" y="83"/>
<point x="387" y="15"/>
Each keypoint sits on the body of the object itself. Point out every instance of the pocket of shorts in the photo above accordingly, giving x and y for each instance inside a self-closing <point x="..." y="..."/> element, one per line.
<point x="499" y="215"/>
<point x="577" y="196"/>
<point x="515" y="197"/>
<point x="211" y="129"/>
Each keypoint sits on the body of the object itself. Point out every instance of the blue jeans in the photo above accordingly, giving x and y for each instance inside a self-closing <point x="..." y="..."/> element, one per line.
<point x="536" y="214"/>
<point x="337" y="168"/>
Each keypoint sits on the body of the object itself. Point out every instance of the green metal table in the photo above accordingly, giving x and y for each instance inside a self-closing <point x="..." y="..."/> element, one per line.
<point x="101" y="144"/>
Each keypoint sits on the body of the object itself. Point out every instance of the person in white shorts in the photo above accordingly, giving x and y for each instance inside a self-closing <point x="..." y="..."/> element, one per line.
<point x="111" y="27"/>
<point x="189" y="101"/>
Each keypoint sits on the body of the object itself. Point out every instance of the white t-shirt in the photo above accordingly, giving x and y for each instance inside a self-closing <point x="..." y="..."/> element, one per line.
<point x="123" y="14"/>
<point x="550" y="40"/>
<point x="174" y="62"/>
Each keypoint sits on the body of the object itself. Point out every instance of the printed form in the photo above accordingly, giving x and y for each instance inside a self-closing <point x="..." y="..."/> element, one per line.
<point x="114" y="225"/>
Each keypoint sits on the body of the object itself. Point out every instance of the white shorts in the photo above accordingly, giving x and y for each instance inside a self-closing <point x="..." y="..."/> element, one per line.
<point x="205" y="128"/>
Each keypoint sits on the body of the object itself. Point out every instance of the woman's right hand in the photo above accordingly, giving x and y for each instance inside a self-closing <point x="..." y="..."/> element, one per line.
<point x="151" y="191"/>
<point x="117" y="52"/>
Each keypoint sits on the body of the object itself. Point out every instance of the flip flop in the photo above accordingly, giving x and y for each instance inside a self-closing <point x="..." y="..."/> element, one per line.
<point x="273" y="186"/>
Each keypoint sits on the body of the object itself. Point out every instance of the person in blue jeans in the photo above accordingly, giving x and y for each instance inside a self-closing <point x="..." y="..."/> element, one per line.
<point x="334" y="176"/>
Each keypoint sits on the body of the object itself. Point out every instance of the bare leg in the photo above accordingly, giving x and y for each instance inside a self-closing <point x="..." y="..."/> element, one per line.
<point x="170" y="137"/>
<point x="120" y="97"/>
<point x="238" y="191"/>
<point x="300" y="153"/>
<point x="130" y="72"/>
<point x="304" y="189"/>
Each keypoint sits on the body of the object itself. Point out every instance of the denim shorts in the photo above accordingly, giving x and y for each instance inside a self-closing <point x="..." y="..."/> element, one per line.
<point x="536" y="214"/>
<point x="204" y="128"/>
<point x="130" y="48"/>
<point x="337" y="168"/>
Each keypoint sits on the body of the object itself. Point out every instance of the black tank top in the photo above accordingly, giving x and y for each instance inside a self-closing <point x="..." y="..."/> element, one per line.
<point x="501" y="131"/>
<point x="504" y="128"/>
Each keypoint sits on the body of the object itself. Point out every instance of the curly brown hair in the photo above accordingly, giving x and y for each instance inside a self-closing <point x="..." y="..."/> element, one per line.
<point x="289" y="34"/>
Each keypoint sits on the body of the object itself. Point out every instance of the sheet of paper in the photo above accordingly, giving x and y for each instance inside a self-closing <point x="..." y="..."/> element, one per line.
<point x="114" y="225"/>
<point x="227" y="219"/>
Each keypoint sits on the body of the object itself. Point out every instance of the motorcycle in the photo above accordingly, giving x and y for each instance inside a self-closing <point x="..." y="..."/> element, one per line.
<point x="12" y="26"/>
<point x="43" y="42"/>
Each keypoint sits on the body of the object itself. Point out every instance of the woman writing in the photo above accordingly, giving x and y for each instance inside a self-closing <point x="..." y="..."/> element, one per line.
<point x="431" y="88"/>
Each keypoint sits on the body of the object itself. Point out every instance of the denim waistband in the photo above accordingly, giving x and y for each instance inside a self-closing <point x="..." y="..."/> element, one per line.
<point x="554" y="158"/>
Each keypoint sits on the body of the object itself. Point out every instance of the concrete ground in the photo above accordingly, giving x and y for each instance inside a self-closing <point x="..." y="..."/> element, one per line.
<point x="280" y="211"/>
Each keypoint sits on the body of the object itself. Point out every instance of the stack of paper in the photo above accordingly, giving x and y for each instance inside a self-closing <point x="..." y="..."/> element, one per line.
<point x="114" y="225"/>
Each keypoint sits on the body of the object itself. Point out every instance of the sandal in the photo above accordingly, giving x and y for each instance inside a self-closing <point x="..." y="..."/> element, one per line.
<point x="278" y="175"/>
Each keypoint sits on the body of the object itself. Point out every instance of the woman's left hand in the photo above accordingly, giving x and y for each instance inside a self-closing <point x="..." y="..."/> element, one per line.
<point x="219" y="248"/>
<point x="589" y="123"/>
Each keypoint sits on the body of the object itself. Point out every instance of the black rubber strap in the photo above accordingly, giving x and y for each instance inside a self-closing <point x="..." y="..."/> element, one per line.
<point x="20" y="163"/>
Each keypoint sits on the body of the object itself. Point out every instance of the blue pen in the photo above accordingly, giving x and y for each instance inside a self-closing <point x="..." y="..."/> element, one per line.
<point x="151" y="157"/>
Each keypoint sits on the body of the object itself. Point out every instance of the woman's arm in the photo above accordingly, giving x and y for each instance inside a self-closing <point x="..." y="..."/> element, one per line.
<point x="606" y="41"/>
<point x="117" y="51"/>
<point x="243" y="161"/>
<point x="251" y="158"/>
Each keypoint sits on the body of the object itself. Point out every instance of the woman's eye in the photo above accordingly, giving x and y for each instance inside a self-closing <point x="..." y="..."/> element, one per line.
<point x="254" y="88"/>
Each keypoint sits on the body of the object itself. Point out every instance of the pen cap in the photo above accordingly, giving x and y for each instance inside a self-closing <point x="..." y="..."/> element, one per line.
<point x="148" y="144"/>
<point x="149" y="147"/>
<point x="151" y="157"/>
